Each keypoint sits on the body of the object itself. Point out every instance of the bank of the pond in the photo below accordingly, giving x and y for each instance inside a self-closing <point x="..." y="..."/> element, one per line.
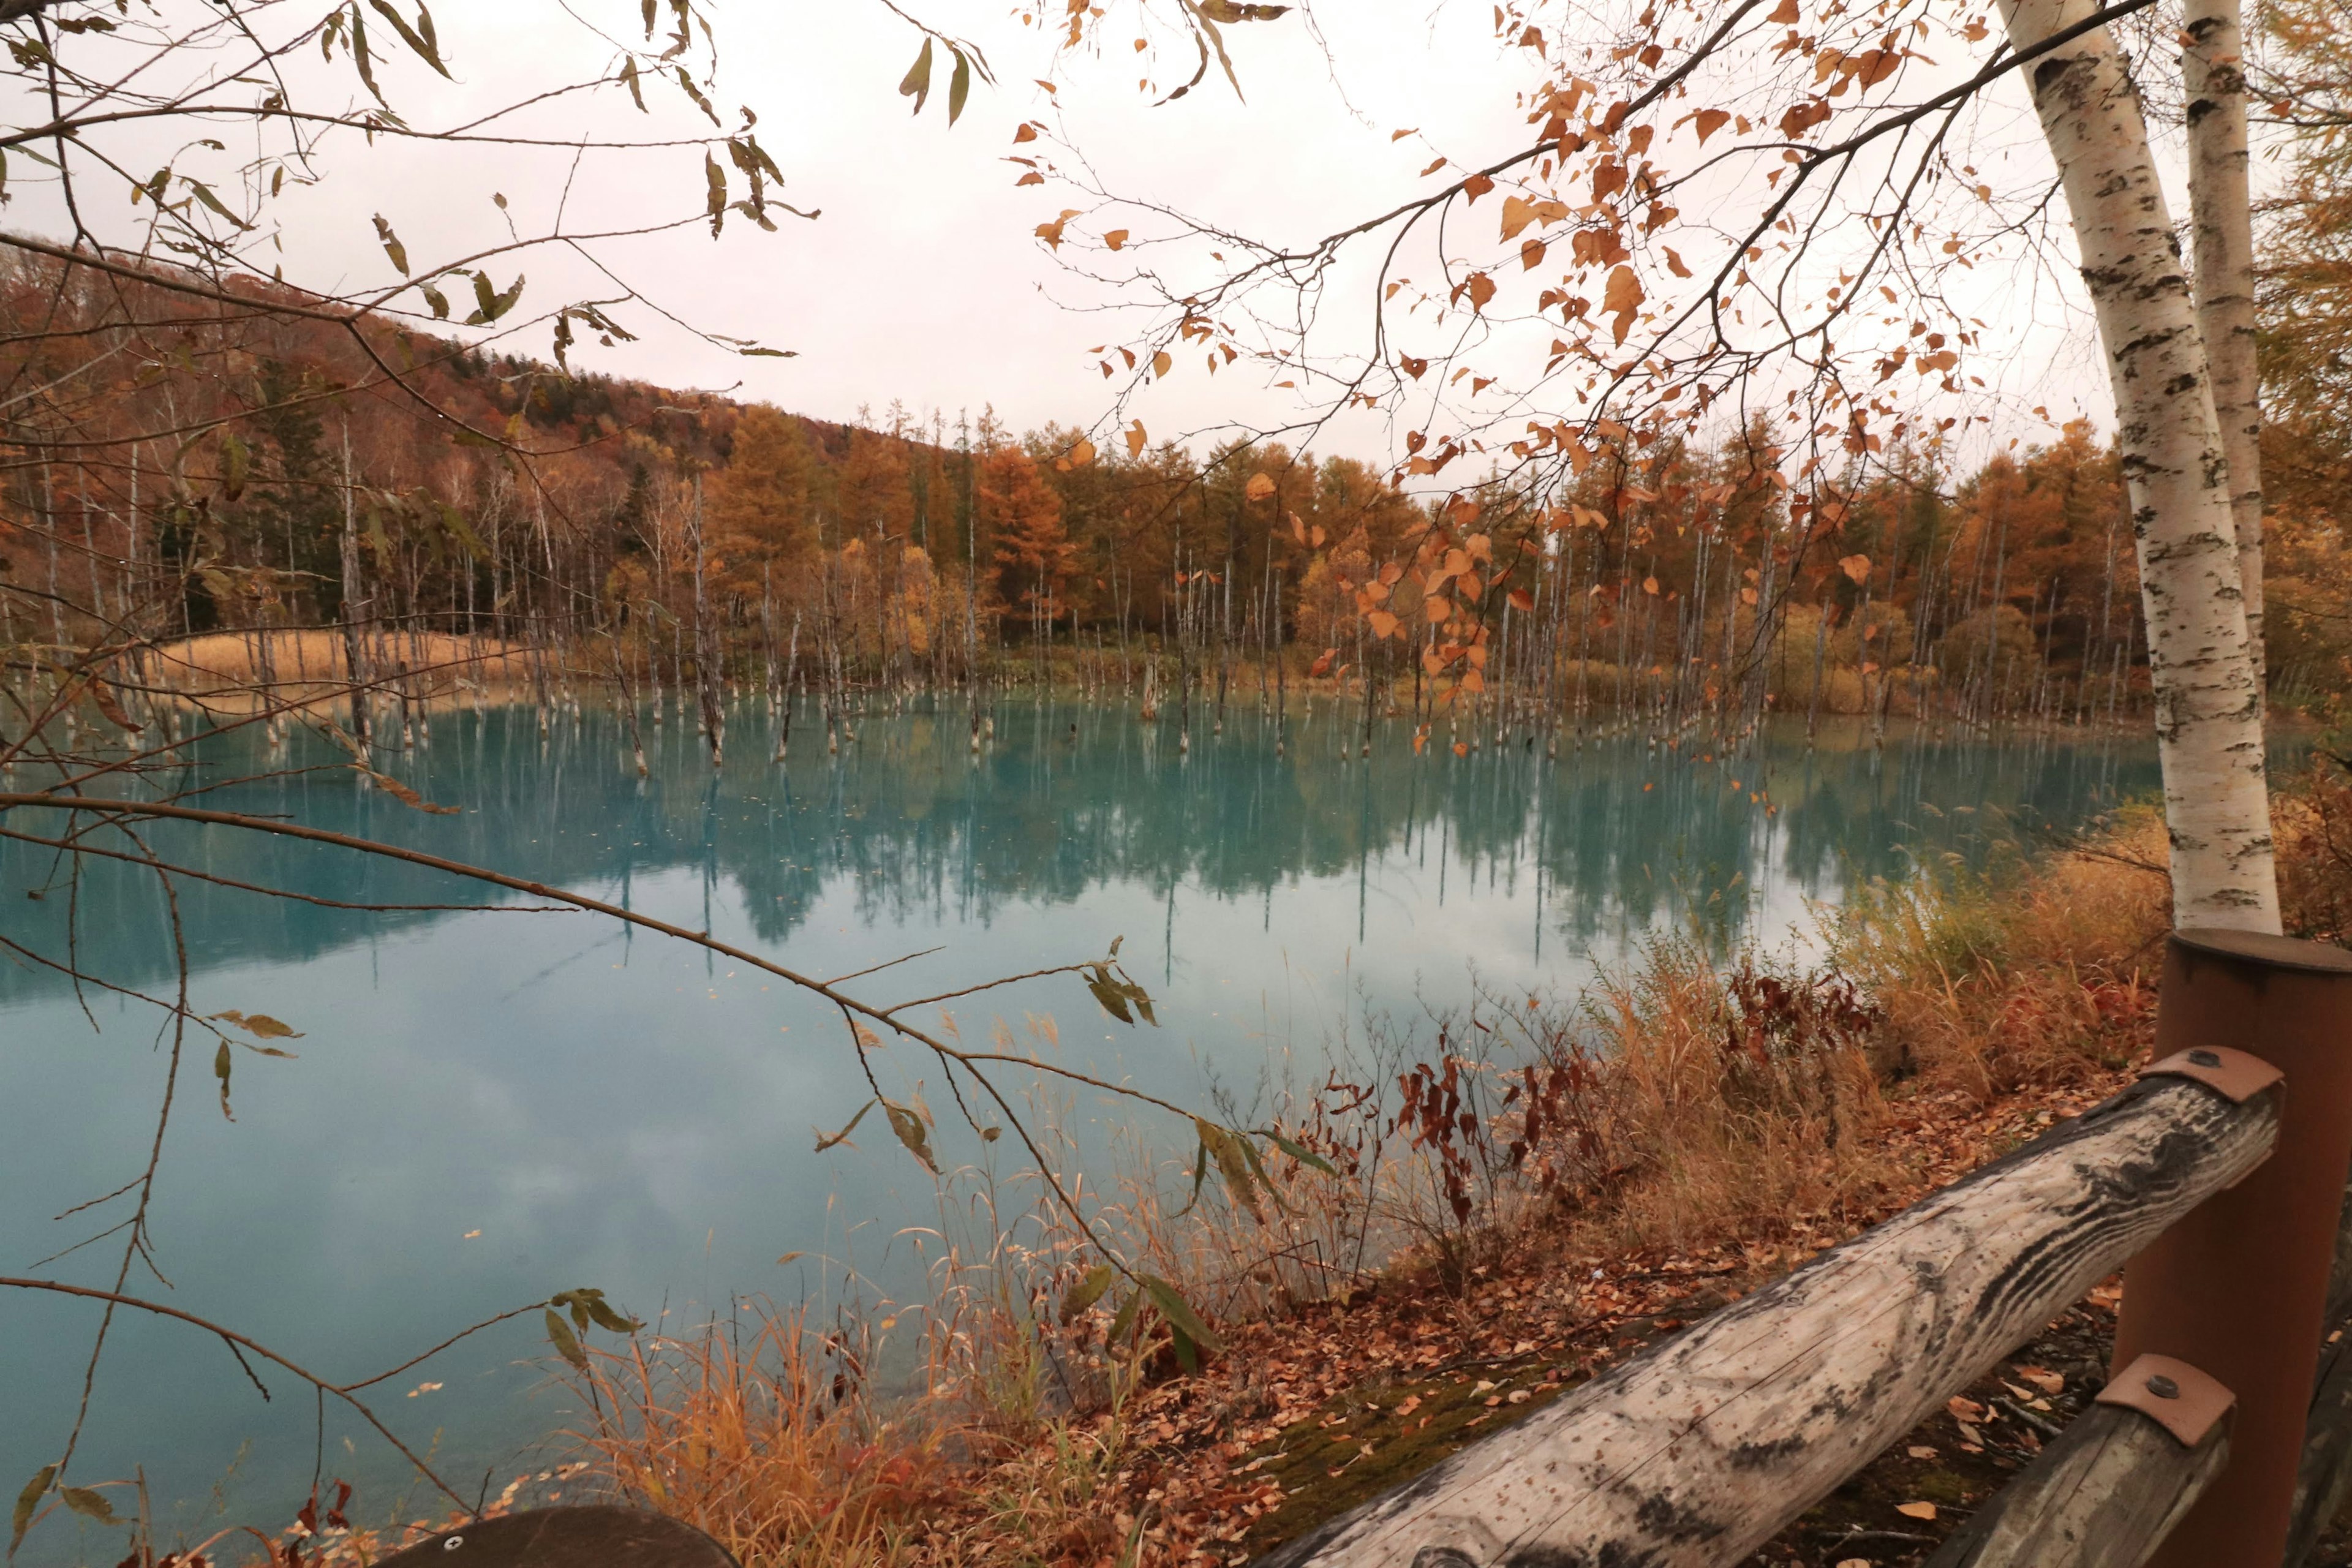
<point x="1705" y="1129"/>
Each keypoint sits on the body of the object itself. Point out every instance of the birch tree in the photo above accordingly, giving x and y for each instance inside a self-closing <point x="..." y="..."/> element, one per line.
<point x="1828" y="156"/>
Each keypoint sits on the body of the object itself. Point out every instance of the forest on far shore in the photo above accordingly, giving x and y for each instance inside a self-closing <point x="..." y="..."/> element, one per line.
<point x="669" y="535"/>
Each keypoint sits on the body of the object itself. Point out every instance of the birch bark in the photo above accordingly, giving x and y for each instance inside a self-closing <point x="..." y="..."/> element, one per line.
<point x="2220" y="218"/>
<point x="2209" y="709"/>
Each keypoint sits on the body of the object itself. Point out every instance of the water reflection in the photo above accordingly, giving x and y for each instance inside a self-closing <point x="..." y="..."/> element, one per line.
<point x="491" y="1106"/>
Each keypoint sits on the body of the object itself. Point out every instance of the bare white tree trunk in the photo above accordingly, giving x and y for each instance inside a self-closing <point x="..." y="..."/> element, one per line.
<point x="2209" y="709"/>
<point x="2221" y="217"/>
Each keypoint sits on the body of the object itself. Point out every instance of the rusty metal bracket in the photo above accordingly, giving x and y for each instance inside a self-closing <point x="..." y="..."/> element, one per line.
<point x="2236" y="1076"/>
<point x="2177" y="1397"/>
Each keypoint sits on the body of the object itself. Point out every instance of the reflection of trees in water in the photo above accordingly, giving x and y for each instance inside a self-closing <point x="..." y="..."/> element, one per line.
<point x="908" y="825"/>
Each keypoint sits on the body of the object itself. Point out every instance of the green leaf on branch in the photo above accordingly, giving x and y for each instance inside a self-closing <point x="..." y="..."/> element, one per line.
<point x="437" y="300"/>
<point x="235" y="462"/>
<point x="911" y="1132"/>
<point x="419" y="38"/>
<point x="359" y="55"/>
<point x="89" y="1504"/>
<point x="392" y="246"/>
<point x="588" y="1306"/>
<point x="204" y="195"/>
<point x="1124" y="1323"/>
<point x="1107" y="992"/>
<point x="694" y="93"/>
<point x="716" y="203"/>
<point x="221" y="1067"/>
<point x="566" y="1343"/>
<point x="824" y="1140"/>
<point x="1199" y="1174"/>
<point x="490" y="304"/>
<point x="1179" y="1314"/>
<point x="27" y="1502"/>
<point x="1120" y="997"/>
<point x="917" y="83"/>
<point x="958" y="86"/>
<point x="1088" y="1289"/>
<point x="629" y="80"/>
<point x="1233" y="1164"/>
<point x="1298" y="1151"/>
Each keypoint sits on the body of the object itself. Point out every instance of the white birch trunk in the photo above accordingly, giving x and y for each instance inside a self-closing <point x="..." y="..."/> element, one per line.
<point x="2209" y="709"/>
<point x="2222" y="223"/>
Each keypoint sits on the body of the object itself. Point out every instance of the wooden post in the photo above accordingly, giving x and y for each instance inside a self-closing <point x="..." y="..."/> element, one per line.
<point x="2240" y="1288"/>
<point x="2325" y="1475"/>
<point x="1693" y="1455"/>
<point x="2106" y="1493"/>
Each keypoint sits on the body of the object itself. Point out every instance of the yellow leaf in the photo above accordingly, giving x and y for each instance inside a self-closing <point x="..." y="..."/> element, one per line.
<point x="1916" y="1509"/>
<point x="1710" y="121"/>
<point x="1649" y="585"/>
<point x="1115" y="237"/>
<point x="1518" y="213"/>
<point x="1160" y="364"/>
<point x="1856" y="567"/>
<point x="1082" y="454"/>
<point x="1260" y="487"/>
<point x="1531" y="254"/>
<point x="1136" y="439"/>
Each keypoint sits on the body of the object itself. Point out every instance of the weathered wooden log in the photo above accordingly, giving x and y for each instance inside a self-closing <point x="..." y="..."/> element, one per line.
<point x="2105" y="1495"/>
<point x="1697" y="1452"/>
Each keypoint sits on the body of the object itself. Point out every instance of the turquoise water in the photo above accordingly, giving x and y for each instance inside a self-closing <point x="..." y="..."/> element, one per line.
<point x="489" y="1106"/>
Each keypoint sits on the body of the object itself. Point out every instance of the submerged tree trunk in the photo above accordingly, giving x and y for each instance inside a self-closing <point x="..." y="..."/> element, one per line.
<point x="2209" y="710"/>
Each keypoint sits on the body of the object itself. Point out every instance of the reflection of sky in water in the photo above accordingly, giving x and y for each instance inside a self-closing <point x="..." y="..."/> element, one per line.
<point x="610" y="1108"/>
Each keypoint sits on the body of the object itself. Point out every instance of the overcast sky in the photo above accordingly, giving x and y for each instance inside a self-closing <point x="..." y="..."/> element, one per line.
<point x="923" y="283"/>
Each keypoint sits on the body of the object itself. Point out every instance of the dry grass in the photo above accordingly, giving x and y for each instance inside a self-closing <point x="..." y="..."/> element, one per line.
<point x="229" y="668"/>
<point x="1685" y="1103"/>
<point x="2023" y="976"/>
<point x="767" y="1436"/>
<point x="1736" y="1099"/>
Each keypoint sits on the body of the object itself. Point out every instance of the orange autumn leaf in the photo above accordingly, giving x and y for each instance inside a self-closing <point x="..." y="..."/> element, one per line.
<point x="1623" y="298"/>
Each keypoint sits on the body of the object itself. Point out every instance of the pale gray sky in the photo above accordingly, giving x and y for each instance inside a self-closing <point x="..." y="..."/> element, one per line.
<point x="922" y="282"/>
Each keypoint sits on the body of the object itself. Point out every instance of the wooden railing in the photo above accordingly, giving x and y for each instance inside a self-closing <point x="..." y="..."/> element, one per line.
<point x="1696" y="1453"/>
